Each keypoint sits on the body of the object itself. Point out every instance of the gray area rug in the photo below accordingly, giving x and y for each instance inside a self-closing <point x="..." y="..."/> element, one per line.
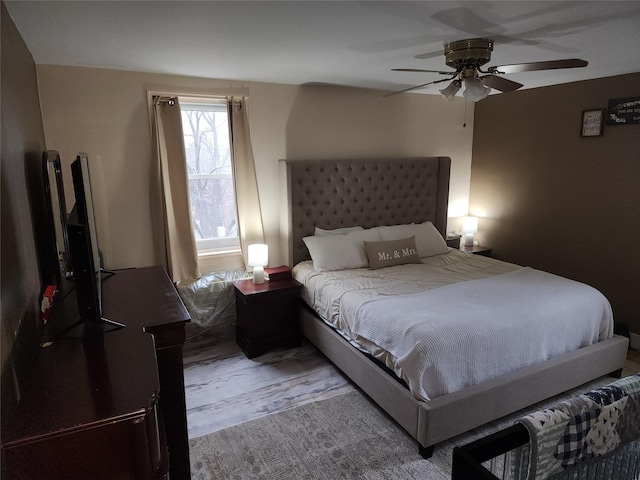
<point x="346" y="436"/>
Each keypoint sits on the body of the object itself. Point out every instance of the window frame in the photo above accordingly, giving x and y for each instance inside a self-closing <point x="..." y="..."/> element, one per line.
<point x="212" y="246"/>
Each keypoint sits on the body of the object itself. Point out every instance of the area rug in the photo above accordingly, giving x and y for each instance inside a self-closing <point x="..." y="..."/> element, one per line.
<point x="346" y="436"/>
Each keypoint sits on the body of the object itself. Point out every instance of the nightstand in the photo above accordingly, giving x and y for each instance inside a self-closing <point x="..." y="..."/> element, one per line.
<point x="477" y="250"/>
<point x="453" y="241"/>
<point x="266" y="315"/>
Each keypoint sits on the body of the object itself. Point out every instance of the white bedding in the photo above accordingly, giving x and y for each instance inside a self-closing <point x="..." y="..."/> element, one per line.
<point x="457" y="319"/>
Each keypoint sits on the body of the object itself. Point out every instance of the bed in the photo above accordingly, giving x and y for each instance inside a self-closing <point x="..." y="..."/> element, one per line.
<point x="333" y="194"/>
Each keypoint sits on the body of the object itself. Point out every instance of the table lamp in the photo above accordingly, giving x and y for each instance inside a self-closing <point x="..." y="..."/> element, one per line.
<point x="258" y="258"/>
<point x="469" y="227"/>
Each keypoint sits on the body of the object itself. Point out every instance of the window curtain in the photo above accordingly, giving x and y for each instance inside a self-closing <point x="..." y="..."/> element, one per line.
<point x="180" y="245"/>
<point x="250" y="227"/>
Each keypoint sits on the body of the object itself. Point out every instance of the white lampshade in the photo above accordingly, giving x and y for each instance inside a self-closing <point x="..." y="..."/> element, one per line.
<point x="469" y="227"/>
<point x="475" y="90"/>
<point x="258" y="257"/>
<point x="449" y="93"/>
<point x="469" y="224"/>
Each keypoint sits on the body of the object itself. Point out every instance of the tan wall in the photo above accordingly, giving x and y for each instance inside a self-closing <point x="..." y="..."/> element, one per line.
<point x="556" y="201"/>
<point x="105" y="114"/>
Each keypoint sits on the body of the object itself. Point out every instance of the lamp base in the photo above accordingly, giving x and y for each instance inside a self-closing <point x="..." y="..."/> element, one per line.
<point x="468" y="239"/>
<point x="258" y="275"/>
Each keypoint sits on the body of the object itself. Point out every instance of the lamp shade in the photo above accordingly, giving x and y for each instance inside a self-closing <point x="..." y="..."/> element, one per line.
<point x="470" y="225"/>
<point x="258" y="255"/>
<point x="449" y="93"/>
<point x="475" y="90"/>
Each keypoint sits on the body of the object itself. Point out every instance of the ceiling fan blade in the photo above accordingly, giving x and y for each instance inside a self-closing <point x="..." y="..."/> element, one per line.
<point x="417" y="86"/>
<point x="500" y="83"/>
<point x="421" y="71"/>
<point x="429" y="55"/>
<point x="548" y="65"/>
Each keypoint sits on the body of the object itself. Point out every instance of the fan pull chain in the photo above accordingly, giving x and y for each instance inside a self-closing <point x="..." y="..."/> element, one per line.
<point x="464" y="120"/>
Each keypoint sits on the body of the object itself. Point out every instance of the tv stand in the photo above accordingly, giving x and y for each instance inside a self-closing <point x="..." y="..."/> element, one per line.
<point x="111" y="323"/>
<point x="84" y="328"/>
<point x="108" y="406"/>
<point x="90" y="328"/>
<point x="108" y="273"/>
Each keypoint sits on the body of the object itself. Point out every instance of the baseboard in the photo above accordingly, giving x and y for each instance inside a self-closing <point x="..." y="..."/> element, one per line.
<point x="634" y="341"/>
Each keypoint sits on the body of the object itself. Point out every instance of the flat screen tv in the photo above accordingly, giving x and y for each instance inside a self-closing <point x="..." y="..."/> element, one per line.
<point x="56" y="215"/>
<point x="83" y="248"/>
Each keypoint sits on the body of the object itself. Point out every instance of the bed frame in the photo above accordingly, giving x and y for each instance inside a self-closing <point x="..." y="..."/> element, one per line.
<point x="391" y="191"/>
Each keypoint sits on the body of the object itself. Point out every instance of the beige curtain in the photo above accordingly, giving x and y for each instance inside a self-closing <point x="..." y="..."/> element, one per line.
<point x="181" y="251"/>
<point x="250" y="228"/>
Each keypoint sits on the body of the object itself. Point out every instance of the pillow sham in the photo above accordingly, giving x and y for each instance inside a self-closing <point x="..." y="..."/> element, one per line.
<point x="339" y="252"/>
<point x="388" y="253"/>
<point x="337" y="231"/>
<point x="428" y="239"/>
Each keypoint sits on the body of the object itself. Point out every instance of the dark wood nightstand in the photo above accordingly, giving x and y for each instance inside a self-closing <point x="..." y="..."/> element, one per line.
<point x="453" y="241"/>
<point x="477" y="250"/>
<point x="266" y="315"/>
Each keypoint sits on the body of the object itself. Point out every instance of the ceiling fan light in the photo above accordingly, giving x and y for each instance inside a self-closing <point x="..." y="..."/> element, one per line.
<point x="449" y="93"/>
<point x="475" y="90"/>
<point x="485" y="94"/>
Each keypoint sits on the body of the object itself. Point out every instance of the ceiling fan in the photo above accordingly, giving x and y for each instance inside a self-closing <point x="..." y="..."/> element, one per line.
<point x="467" y="57"/>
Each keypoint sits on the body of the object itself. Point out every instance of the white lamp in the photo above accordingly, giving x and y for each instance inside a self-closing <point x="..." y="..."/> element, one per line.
<point x="258" y="258"/>
<point x="469" y="227"/>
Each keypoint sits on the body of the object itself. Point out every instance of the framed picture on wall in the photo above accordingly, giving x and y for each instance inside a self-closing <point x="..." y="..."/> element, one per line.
<point x="592" y="121"/>
<point x="623" y="111"/>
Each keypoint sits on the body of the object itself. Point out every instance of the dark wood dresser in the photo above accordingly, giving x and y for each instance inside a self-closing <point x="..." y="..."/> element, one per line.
<point x="106" y="403"/>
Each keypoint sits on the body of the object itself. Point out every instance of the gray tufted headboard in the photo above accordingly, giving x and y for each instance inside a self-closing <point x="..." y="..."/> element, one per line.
<point x="368" y="192"/>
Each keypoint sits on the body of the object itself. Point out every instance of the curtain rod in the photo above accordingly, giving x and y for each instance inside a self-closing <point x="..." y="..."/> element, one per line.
<point x="171" y="99"/>
<point x="215" y="93"/>
<point x="166" y="99"/>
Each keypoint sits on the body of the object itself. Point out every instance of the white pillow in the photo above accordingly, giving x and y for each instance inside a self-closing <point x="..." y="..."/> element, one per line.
<point x="429" y="241"/>
<point x="359" y="237"/>
<point x="337" y="231"/>
<point x="340" y="252"/>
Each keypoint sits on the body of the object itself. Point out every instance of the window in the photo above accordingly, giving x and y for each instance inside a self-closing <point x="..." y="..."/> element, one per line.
<point x="211" y="187"/>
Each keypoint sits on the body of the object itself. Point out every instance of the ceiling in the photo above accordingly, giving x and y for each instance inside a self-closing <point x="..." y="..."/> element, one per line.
<point x="347" y="43"/>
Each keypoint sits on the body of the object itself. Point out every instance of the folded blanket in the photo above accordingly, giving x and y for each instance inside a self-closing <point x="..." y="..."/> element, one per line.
<point x="575" y="431"/>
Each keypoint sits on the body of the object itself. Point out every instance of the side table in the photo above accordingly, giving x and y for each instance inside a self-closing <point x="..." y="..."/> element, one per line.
<point x="266" y="315"/>
<point x="477" y="250"/>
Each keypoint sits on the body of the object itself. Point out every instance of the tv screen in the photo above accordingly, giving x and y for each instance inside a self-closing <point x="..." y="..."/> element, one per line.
<point x="56" y="213"/>
<point x="83" y="245"/>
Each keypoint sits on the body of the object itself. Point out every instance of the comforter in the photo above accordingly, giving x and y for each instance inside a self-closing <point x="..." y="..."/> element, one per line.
<point x="457" y="319"/>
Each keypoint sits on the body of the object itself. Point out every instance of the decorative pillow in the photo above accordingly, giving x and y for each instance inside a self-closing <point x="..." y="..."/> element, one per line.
<point x="339" y="252"/>
<point x="337" y="231"/>
<point x="429" y="241"/>
<point x="392" y="252"/>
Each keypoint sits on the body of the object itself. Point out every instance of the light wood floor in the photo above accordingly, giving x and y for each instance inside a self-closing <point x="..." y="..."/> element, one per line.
<point x="224" y="388"/>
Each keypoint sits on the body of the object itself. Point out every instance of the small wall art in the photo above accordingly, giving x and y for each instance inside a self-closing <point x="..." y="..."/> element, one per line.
<point x="592" y="121"/>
